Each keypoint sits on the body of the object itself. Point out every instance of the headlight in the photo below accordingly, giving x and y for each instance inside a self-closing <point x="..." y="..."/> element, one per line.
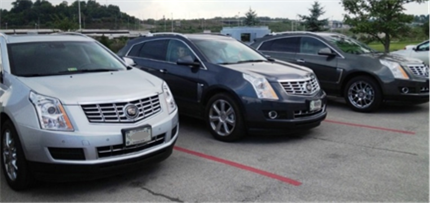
<point x="170" y="101"/>
<point x="51" y="113"/>
<point x="263" y="89"/>
<point x="396" y="69"/>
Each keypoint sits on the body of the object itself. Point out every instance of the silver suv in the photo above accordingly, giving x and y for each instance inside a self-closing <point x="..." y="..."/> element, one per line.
<point x="71" y="109"/>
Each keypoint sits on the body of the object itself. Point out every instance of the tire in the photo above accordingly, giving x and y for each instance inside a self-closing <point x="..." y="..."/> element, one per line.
<point x="224" y="119"/>
<point x="17" y="174"/>
<point x="363" y="94"/>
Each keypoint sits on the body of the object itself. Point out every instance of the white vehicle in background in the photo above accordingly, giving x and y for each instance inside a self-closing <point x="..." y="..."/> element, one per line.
<point x="420" y="51"/>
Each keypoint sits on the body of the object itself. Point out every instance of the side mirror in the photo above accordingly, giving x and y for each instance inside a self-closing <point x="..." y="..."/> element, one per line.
<point x="188" y="61"/>
<point x="129" y="61"/>
<point x="326" y="52"/>
<point x="414" y="48"/>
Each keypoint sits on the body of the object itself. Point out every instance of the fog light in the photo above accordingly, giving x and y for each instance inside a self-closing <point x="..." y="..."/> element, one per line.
<point x="273" y="114"/>
<point x="405" y="90"/>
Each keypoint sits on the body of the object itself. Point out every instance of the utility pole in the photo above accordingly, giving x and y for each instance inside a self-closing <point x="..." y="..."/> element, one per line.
<point x="164" y="17"/>
<point x="172" y="21"/>
<point x="79" y="8"/>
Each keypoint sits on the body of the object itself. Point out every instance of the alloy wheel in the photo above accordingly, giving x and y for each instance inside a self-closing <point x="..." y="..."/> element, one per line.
<point x="222" y="117"/>
<point x="361" y="94"/>
<point x="9" y="155"/>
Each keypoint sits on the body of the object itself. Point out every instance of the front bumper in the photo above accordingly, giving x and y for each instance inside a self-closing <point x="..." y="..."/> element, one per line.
<point x="417" y="91"/>
<point x="96" y="148"/>
<point x="293" y="115"/>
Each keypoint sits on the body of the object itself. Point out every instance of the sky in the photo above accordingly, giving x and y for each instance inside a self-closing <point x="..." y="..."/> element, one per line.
<point x="192" y="9"/>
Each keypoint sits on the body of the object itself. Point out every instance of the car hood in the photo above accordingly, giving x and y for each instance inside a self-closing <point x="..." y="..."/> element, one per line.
<point x="394" y="57"/>
<point x="273" y="71"/>
<point x="95" y="87"/>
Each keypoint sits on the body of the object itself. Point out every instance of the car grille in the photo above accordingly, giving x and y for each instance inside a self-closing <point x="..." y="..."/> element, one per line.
<point x="115" y="150"/>
<point x="306" y="113"/>
<point x="420" y="70"/>
<point x="301" y="87"/>
<point x="115" y="112"/>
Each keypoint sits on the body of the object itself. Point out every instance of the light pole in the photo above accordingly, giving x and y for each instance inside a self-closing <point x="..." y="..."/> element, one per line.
<point x="79" y="9"/>
<point x="172" y="21"/>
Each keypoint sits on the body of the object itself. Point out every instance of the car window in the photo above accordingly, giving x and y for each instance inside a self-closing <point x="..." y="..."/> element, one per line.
<point x="156" y="49"/>
<point x="135" y="50"/>
<point x="51" y="58"/>
<point x="289" y="44"/>
<point x="423" y="47"/>
<point x="310" y="45"/>
<point x="221" y="51"/>
<point x="178" y="50"/>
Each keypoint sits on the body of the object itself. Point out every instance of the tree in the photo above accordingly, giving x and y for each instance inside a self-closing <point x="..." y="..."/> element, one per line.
<point x="426" y="28"/>
<point x="380" y="19"/>
<point x="311" y="22"/>
<point x="251" y="18"/>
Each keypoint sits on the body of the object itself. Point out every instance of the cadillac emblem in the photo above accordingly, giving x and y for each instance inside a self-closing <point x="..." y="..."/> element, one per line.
<point x="307" y="87"/>
<point x="131" y="111"/>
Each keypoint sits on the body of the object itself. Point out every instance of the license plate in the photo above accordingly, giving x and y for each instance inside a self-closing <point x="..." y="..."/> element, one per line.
<point x="137" y="135"/>
<point x="315" y="105"/>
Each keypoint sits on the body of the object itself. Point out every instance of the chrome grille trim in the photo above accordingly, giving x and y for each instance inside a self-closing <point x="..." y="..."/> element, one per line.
<point x="298" y="87"/>
<point x="114" y="112"/>
<point x="420" y="70"/>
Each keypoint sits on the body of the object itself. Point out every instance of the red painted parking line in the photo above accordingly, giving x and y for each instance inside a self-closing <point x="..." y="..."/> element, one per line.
<point x="240" y="166"/>
<point x="371" y="127"/>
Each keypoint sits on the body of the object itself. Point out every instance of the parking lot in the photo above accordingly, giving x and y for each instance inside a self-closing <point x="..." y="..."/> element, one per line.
<point x="382" y="156"/>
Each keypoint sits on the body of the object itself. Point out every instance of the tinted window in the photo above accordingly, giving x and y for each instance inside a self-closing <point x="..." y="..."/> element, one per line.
<point x="156" y="49"/>
<point x="178" y="50"/>
<point x="309" y="45"/>
<point x="135" y="50"/>
<point x="289" y="44"/>
<point x="52" y="58"/>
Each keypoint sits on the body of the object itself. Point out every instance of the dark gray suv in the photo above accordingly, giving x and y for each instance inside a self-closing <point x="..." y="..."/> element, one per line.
<point x="345" y="67"/>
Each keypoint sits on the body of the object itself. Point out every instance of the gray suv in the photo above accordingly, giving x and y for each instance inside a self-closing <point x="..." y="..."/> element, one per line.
<point x="71" y="109"/>
<point x="348" y="68"/>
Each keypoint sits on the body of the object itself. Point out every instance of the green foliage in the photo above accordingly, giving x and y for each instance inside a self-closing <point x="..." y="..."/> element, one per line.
<point x="105" y="41"/>
<point x="426" y="28"/>
<point x="381" y="20"/>
<point x="311" y="22"/>
<point x="250" y="18"/>
<point x="64" y="23"/>
<point x="25" y="14"/>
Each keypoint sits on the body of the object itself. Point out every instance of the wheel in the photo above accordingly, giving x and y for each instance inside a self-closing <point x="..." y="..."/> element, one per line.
<point x="14" y="164"/>
<point x="224" y="119"/>
<point x="363" y="94"/>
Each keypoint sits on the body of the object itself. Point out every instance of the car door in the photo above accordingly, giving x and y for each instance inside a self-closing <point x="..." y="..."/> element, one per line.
<point x="324" y="66"/>
<point x="422" y="52"/>
<point x="157" y="57"/>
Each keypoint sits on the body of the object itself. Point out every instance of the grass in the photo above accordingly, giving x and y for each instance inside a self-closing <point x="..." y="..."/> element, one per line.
<point x="394" y="46"/>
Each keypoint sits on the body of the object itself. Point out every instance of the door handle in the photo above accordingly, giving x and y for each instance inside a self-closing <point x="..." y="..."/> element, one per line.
<point x="300" y="61"/>
<point x="163" y="71"/>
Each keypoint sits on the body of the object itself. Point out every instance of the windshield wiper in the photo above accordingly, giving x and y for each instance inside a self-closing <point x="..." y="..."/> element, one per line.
<point x="250" y="61"/>
<point x="35" y="75"/>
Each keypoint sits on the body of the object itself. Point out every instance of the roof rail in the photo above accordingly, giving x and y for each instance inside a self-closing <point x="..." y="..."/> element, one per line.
<point x="71" y="33"/>
<point x="163" y="33"/>
<point x="290" y="32"/>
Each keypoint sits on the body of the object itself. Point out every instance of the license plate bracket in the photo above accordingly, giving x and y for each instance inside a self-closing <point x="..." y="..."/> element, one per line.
<point x="139" y="135"/>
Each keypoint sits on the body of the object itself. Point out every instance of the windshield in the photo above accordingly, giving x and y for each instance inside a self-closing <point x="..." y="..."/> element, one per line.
<point x="227" y="51"/>
<point x="349" y="45"/>
<point x="57" y="58"/>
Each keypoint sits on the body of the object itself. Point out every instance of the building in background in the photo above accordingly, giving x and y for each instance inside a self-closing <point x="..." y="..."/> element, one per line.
<point x="246" y="34"/>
